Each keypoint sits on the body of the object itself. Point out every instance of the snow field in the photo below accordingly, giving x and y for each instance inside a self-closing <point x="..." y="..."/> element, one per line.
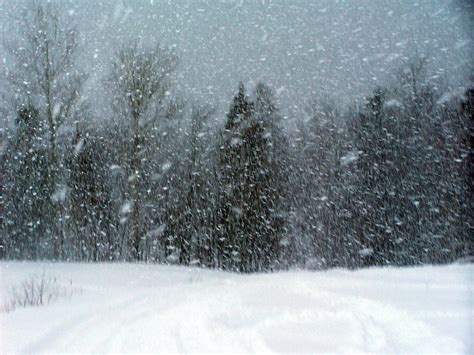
<point x="153" y="308"/>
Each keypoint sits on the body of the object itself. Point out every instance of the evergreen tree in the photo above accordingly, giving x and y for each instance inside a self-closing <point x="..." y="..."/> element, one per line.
<point x="252" y="181"/>
<point x="232" y="177"/>
<point x="410" y="188"/>
<point x="91" y="208"/>
<point x="26" y="190"/>
<point x="272" y="175"/>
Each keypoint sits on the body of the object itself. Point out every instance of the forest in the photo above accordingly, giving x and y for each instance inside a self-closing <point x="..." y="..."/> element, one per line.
<point x="156" y="177"/>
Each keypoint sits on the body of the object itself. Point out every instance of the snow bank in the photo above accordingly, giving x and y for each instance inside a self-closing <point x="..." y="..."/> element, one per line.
<point x="152" y="308"/>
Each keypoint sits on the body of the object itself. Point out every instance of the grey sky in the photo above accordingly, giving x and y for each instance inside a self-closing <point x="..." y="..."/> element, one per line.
<point x="301" y="48"/>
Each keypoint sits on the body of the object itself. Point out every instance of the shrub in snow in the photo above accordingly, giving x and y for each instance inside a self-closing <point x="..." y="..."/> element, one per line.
<point x="38" y="290"/>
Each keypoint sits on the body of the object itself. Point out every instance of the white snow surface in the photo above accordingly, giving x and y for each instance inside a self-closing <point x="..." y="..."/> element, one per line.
<point x="154" y="308"/>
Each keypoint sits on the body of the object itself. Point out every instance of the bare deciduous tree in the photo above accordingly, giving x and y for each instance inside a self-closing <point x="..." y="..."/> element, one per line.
<point x="41" y="73"/>
<point x="44" y="72"/>
<point x="141" y="78"/>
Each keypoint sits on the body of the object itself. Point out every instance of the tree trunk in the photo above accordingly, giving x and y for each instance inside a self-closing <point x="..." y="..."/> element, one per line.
<point x="135" y="193"/>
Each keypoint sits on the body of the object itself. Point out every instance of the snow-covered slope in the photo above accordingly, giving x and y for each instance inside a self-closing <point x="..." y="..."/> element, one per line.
<point x="152" y="308"/>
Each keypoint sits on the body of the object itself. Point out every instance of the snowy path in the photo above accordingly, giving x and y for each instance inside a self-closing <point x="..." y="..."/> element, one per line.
<point x="152" y="308"/>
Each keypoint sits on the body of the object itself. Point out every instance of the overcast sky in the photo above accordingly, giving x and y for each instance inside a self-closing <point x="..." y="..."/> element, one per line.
<point x="301" y="48"/>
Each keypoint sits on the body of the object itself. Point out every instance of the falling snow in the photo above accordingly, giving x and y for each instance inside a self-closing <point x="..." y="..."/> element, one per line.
<point x="243" y="136"/>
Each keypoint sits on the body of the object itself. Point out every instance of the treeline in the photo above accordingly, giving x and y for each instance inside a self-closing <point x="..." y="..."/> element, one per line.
<point x="388" y="182"/>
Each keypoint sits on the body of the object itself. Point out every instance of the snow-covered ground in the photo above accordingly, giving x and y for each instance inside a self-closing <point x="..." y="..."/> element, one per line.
<point x="153" y="308"/>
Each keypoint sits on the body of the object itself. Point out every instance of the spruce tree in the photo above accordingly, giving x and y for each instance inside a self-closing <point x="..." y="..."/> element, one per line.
<point x="232" y="179"/>
<point x="252" y="182"/>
